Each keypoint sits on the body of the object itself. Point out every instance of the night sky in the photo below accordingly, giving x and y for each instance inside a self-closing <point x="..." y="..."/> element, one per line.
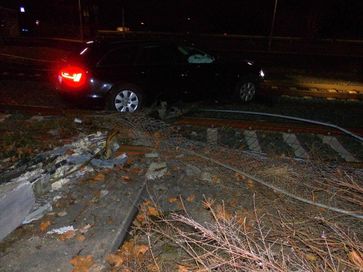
<point x="308" y="18"/>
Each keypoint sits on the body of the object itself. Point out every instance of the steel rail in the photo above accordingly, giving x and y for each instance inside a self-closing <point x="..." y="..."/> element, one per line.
<point x="287" y="117"/>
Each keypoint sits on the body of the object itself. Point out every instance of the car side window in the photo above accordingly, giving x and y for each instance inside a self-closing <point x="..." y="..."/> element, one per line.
<point x="195" y="56"/>
<point x="121" y="56"/>
<point x="157" y="55"/>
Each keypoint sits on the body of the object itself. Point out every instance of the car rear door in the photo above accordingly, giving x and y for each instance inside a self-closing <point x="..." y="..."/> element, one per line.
<point x="117" y="65"/>
<point x="157" y="68"/>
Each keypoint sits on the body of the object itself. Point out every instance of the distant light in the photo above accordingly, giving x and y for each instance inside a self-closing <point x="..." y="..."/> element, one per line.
<point x="89" y="42"/>
<point x="188" y="18"/>
<point x="22" y="9"/>
<point x="25" y="30"/>
<point x="142" y="23"/>
<point x="37" y="22"/>
<point x="84" y="51"/>
<point x="262" y="74"/>
<point x="250" y="63"/>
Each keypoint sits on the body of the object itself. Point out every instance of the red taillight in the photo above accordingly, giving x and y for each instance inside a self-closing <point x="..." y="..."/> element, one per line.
<point x="73" y="76"/>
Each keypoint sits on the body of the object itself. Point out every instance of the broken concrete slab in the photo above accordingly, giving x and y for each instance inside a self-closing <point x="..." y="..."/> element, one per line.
<point x="102" y="224"/>
<point x="38" y="213"/>
<point x="156" y="170"/>
<point x="16" y="201"/>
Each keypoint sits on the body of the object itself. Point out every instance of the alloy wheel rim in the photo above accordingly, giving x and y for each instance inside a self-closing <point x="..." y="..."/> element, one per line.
<point x="247" y="91"/>
<point x="126" y="101"/>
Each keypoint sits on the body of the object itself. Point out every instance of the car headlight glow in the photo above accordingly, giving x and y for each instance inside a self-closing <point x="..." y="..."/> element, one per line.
<point x="262" y="73"/>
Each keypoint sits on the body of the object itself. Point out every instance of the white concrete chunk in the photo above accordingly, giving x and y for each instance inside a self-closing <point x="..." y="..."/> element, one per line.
<point x="16" y="201"/>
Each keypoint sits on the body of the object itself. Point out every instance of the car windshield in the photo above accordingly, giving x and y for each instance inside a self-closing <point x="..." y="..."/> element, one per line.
<point x="194" y="55"/>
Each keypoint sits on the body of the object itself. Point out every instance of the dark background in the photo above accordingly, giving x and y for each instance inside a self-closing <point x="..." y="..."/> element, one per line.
<point x="297" y="18"/>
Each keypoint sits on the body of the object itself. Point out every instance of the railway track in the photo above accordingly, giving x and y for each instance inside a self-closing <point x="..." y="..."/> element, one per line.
<point x="292" y="139"/>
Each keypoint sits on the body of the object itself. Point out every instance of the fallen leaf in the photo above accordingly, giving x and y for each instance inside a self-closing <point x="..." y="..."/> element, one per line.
<point x="152" y="268"/>
<point x="136" y="170"/>
<point x="152" y="211"/>
<point x="222" y="213"/>
<point x="115" y="260"/>
<point x="216" y="179"/>
<point x="44" y="225"/>
<point x="239" y="177"/>
<point x="67" y="235"/>
<point x="140" y="218"/>
<point x="140" y="249"/>
<point x="191" y="198"/>
<point x="85" y="228"/>
<point x="311" y="257"/>
<point x="172" y="199"/>
<point x="182" y="268"/>
<point x="356" y="258"/>
<point x="81" y="263"/>
<point x="127" y="248"/>
<point x="99" y="177"/>
<point x="80" y="238"/>
<point x="126" y="178"/>
<point x="250" y="184"/>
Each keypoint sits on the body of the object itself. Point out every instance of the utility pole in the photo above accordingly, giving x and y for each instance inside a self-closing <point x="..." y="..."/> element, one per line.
<point x="123" y="21"/>
<point x="272" y="26"/>
<point x="81" y="30"/>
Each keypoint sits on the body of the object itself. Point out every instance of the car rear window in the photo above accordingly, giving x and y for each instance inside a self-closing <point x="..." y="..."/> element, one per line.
<point x="157" y="55"/>
<point x="120" y="56"/>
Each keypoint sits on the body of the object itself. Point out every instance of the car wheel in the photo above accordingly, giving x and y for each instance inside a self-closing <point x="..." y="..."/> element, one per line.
<point x="127" y="99"/>
<point x="246" y="91"/>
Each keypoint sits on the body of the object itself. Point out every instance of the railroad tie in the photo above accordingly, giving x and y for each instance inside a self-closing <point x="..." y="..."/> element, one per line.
<point x="294" y="143"/>
<point x="252" y="141"/>
<point x="338" y="147"/>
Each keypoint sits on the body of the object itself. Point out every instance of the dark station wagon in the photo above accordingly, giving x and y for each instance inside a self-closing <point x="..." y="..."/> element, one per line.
<point x="125" y="75"/>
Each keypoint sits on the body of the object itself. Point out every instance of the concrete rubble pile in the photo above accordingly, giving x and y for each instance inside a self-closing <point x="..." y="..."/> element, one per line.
<point x="48" y="172"/>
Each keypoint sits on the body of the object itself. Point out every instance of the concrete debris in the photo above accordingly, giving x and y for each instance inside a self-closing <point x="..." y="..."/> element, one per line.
<point x="206" y="176"/>
<point x="61" y="230"/>
<point x="103" y="193"/>
<point x="156" y="170"/>
<point x="85" y="228"/>
<point x="109" y="163"/>
<point x="3" y="117"/>
<point x="79" y="158"/>
<point x="56" y="198"/>
<point x="38" y="213"/>
<point x="37" y="118"/>
<point x="54" y="132"/>
<point x="29" y="176"/>
<point x="152" y="155"/>
<point x="77" y="121"/>
<point x="192" y="170"/>
<point x="41" y="185"/>
<point x="16" y="201"/>
<point x="62" y="213"/>
<point x="59" y="184"/>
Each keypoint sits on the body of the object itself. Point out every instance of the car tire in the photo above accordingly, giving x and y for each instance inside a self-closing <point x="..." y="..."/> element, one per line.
<point x="246" y="90"/>
<point x="125" y="99"/>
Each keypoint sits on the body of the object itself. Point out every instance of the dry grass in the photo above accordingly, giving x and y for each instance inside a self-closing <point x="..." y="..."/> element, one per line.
<point x="232" y="243"/>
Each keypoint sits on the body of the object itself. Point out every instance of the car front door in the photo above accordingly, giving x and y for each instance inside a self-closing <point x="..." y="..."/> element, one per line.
<point x="197" y="73"/>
